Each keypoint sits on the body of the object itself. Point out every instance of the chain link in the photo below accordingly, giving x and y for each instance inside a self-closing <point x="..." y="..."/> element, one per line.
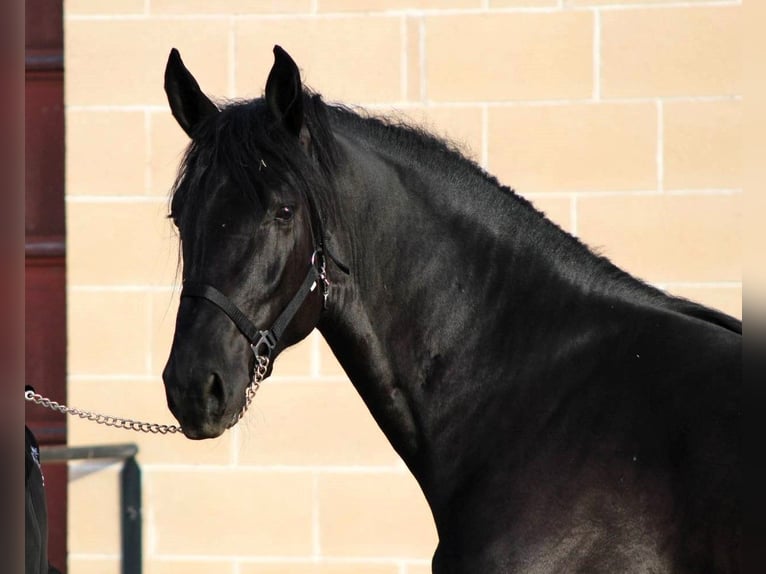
<point x="127" y="424"/>
<point x="259" y="373"/>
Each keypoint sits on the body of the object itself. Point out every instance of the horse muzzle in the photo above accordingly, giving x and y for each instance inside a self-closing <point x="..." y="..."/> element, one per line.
<point x="199" y="403"/>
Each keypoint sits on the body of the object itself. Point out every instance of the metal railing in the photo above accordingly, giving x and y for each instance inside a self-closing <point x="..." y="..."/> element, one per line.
<point x="130" y="491"/>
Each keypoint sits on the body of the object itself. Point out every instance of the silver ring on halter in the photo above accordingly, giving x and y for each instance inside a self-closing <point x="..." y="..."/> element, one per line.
<point x="321" y="273"/>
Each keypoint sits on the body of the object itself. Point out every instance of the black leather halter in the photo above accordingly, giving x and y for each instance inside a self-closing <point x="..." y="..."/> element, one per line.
<point x="263" y="341"/>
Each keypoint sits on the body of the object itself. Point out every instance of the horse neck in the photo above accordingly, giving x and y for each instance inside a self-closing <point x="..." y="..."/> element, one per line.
<point x="442" y="268"/>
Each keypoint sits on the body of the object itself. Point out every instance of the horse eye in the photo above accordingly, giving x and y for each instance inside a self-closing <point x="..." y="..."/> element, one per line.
<point x="285" y="213"/>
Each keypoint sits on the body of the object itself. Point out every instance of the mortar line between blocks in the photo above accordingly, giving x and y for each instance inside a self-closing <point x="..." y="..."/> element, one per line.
<point x="236" y="445"/>
<point x="573" y="101"/>
<point x="734" y="191"/>
<point x="680" y="4"/>
<point x="404" y="60"/>
<point x="316" y="355"/>
<point x="115" y="199"/>
<point x="153" y="377"/>
<point x="574" y="215"/>
<point x="701" y="284"/>
<point x="583" y="193"/>
<point x="287" y="559"/>
<point x="310" y="470"/>
<point x="88" y="556"/>
<point x="110" y="378"/>
<point x="122" y="288"/>
<point x="447" y="103"/>
<point x="316" y="543"/>
<point x="150" y="335"/>
<point x="232" y="47"/>
<point x="148" y="180"/>
<point x="596" y="55"/>
<point x="150" y="519"/>
<point x="311" y="14"/>
<point x="660" y="146"/>
<point x="422" y="59"/>
<point x="168" y="557"/>
<point x="114" y="108"/>
<point x="485" y="137"/>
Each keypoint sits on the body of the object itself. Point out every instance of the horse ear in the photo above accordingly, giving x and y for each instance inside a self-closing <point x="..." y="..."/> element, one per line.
<point x="284" y="92"/>
<point x="187" y="102"/>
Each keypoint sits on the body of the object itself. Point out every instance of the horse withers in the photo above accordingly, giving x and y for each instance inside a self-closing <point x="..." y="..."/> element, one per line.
<point x="559" y="414"/>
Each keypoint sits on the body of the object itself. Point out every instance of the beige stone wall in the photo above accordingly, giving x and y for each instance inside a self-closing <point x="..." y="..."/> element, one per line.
<point x="619" y="118"/>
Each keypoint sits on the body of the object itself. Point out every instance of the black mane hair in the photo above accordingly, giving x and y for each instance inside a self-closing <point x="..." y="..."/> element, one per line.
<point x="245" y="137"/>
<point x="445" y="157"/>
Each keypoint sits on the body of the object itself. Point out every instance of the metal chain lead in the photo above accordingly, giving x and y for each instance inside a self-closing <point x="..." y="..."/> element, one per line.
<point x="127" y="424"/>
<point x="259" y="373"/>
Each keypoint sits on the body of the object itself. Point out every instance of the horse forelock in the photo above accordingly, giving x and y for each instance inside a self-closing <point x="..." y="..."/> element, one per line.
<point x="245" y="144"/>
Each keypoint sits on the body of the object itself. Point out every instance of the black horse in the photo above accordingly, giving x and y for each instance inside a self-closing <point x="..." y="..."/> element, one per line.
<point x="559" y="414"/>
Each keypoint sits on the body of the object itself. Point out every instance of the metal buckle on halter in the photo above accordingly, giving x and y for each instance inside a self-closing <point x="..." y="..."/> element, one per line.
<point x="321" y="270"/>
<point x="266" y="339"/>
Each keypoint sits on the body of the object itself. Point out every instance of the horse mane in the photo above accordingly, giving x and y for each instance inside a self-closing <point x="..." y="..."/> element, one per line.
<point x="245" y="136"/>
<point x="446" y="157"/>
<point x="245" y="133"/>
<point x="414" y="141"/>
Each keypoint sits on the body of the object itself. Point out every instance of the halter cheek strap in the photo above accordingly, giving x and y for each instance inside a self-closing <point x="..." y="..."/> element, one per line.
<point x="262" y="341"/>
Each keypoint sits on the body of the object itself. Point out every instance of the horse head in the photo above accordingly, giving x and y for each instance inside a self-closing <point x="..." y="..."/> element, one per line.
<point x="250" y="244"/>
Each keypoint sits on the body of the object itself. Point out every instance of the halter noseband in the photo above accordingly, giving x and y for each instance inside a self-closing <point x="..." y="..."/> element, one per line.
<point x="263" y="341"/>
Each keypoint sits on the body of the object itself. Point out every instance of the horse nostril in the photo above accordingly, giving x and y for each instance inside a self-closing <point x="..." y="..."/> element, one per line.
<point x="215" y="391"/>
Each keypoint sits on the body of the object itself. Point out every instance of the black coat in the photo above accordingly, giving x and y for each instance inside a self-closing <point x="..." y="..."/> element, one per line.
<point x="36" y="551"/>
